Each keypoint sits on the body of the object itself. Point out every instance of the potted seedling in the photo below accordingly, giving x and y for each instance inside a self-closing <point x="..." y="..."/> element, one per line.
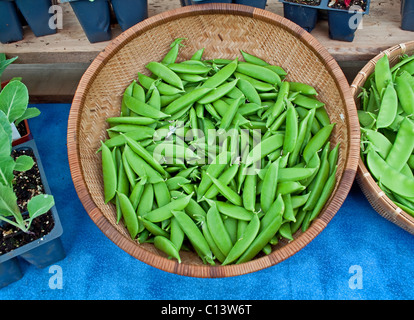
<point x="10" y="26"/>
<point x="20" y="126"/>
<point x="95" y="18"/>
<point x="344" y="16"/>
<point x="29" y="225"/>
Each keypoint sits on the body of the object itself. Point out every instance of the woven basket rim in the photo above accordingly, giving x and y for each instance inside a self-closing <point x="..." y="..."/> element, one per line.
<point x="396" y="215"/>
<point x="206" y="271"/>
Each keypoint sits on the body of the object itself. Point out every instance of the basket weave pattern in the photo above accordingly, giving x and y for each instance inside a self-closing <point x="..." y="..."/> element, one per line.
<point x="222" y="30"/>
<point x="376" y="197"/>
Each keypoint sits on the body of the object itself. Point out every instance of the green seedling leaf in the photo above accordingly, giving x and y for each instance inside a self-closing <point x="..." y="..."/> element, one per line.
<point x="23" y="163"/>
<point x="14" y="99"/>
<point x="7" y="165"/>
<point x="28" y="114"/>
<point x="8" y="202"/>
<point x="5" y="135"/>
<point x="39" y="205"/>
<point x="4" y="63"/>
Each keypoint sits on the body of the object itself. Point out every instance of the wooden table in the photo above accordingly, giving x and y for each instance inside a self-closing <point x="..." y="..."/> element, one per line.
<point x="69" y="52"/>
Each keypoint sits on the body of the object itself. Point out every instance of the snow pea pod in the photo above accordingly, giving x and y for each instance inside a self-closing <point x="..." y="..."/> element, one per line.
<point x="307" y="102"/>
<point x="244" y="241"/>
<point x="165" y="74"/>
<point x="213" y="246"/>
<point x="143" y="109"/>
<point x="249" y="91"/>
<point x="403" y="145"/>
<point x="382" y="73"/>
<point x="265" y="147"/>
<point x="226" y="191"/>
<point x="225" y="178"/>
<point x="389" y="177"/>
<point x="259" y="73"/>
<point x="317" y="141"/>
<point x="291" y="132"/>
<point x="275" y="218"/>
<point x="194" y="235"/>
<point x="129" y="215"/>
<point x="189" y="68"/>
<point x="221" y="76"/>
<point x="172" y="54"/>
<point x="186" y="100"/>
<point x="389" y="107"/>
<point x="167" y="246"/>
<point x="303" y="88"/>
<point x="279" y="105"/>
<point x="253" y="59"/>
<point x="218" y="92"/>
<point x="165" y="212"/>
<point x="270" y="182"/>
<point x="218" y="231"/>
<point x="405" y="92"/>
<point x="109" y="173"/>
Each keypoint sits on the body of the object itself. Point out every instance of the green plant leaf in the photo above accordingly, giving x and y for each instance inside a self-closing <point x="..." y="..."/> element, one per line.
<point x="28" y="114"/>
<point x="5" y="135"/>
<point x="39" y="205"/>
<point x="14" y="99"/>
<point x="7" y="165"/>
<point x="23" y="163"/>
<point x="4" y="63"/>
<point x="8" y="202"/>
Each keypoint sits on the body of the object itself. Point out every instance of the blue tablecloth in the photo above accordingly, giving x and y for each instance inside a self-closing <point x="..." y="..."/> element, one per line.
<point x="359" y="255"/>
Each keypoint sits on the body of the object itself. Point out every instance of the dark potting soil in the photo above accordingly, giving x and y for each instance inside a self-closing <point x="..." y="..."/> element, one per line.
<point x="21" y="128"/>
<point x="27" y="185"/>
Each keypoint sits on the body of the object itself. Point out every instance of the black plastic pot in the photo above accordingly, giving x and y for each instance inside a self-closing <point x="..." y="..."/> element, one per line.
<point x="42" y="252"/>
<point x="407" y="15"/>
<point x="37" y="15"/>
<point x="304" y="16"/>
<point x="10" y="25"/>
<point x="190" y="2"/>
<point x="254" y="3"/>
<point x="94" y="17"/>
<point x="342" y="23"/>
<point x="130" y="12"/>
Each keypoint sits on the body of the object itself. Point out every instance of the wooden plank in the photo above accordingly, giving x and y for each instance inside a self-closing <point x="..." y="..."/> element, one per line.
<point x="381" y="30"/>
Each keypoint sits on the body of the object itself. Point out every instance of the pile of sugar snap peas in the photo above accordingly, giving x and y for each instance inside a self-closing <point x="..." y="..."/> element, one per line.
<point x="387" y="129"/>
<point x="221" y="157"/>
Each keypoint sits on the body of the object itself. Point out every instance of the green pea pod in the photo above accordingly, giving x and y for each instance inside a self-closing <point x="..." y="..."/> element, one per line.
<point x="153" y="228"/>
<point x="198" y="54"/>
<point x="253" y="59"/>
<point x="249" y="192"/>
<point x="389" y="107"/>
<point x="389" y="177"/>
<point x="230" y="114"/>
<point x="226" y="191"/>
<point x="295" y="174"/>
<point x="129" y="215"/>
<point x="243" y="242"/>
<point x="249" y="91"/>
<point x="213" y="246"/>
<point x="234" y="211"/>
<point x="189" y="69"/>
<point x="259" y="72"/>
<point x="225" y="178"/>
<point x="164" y="88"/>
<point x="289" y="187"/>
<point x="317" y="141"/>
<point x="257" y="84"/>
<point x="221" y="76"/>
<point x="194" y="234"/>
<point x="307" y="102"/>
<point x="218" y="92"/>
<point x="270" y="181"/>
<point x="186" y="100"/>
<point x="165" y="212"/>
<point x="265" y="147"/>
<point x="176" y="182"/>
<point x="165" y="74"/>
<point x="382" y="73"/>
<point x="162" y="193"/>
<point x="277" y="108"/>
<point x="289" y="213"/>
<point x="291" y="133"/>
<point x="275" y="218"/>
<point x="143" y="109"/>
<point x="403" y="145"/>
<point x="303" y="88"/>
<point x="172" y="54"/>
<point x="218" y="231"/>
<point x="167" y="246"/>
<point x="109" y="173"/>
<point x="176" y="233"/>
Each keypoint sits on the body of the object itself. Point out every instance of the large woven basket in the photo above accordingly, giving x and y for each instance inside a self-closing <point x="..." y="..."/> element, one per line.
<point x="222" y="29"/>
<point x="377" y="198"/>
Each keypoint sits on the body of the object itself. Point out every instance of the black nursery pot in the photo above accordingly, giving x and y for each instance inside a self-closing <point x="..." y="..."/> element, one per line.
<point x="10" y="25"/>
<point x="95" y="18"/>
<point x="42" y="252"/>
<point x="37" y="15"/>
<point x="304" y="16"/>
<point x="253" y="3"/>
<point x="130" y="12"/>
<point x="342" y="25"/>
<point x="407" y="15"/>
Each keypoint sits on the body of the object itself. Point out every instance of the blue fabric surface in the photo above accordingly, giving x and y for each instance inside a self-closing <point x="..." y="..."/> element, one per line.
<point x="357" y="238"/>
